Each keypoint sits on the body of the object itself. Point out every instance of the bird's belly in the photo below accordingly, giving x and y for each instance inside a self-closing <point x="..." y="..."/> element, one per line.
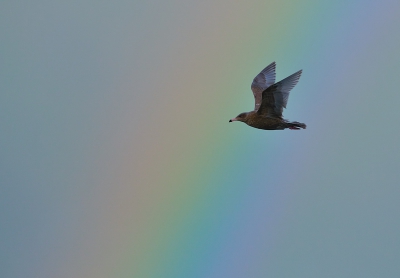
<point x="267" y="124"/>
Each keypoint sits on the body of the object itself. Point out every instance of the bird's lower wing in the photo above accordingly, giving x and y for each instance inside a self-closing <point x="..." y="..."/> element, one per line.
<point x="275" y="97"/>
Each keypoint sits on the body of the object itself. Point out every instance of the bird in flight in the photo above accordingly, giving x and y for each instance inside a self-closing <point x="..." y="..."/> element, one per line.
<point x="270" y="99"/>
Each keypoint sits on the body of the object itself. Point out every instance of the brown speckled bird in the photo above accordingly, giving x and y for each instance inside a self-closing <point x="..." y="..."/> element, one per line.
<point x="270" y="98"/>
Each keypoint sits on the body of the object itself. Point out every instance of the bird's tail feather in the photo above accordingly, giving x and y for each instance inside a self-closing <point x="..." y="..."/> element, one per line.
<point x="296" y="125"/>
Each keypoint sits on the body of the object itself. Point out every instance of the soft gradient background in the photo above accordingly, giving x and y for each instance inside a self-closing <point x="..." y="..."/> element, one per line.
<point x="117" y="158"/>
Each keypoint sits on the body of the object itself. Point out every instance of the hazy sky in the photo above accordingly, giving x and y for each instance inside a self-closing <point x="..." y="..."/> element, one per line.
<point x="117" y="158"/>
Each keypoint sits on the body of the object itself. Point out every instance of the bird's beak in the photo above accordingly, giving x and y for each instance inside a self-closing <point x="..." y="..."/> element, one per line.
<point x="233" y="120"/>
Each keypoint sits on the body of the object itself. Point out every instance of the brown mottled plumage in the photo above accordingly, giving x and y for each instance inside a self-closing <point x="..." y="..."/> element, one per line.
<point x="270" y="99"/>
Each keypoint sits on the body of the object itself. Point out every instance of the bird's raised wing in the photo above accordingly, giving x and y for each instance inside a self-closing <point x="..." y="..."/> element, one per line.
<point x="261" y="82"/>
<point x="275" y="97"/>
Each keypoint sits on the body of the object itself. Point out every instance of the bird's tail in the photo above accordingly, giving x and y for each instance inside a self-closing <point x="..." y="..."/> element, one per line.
<point x="296" y="125"/>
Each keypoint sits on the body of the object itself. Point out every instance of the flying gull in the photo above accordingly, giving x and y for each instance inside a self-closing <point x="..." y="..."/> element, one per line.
<point x="270" y="99"/>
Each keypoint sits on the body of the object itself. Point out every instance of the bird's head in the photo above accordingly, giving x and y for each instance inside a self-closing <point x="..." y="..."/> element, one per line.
<point x="242" y="117"/>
